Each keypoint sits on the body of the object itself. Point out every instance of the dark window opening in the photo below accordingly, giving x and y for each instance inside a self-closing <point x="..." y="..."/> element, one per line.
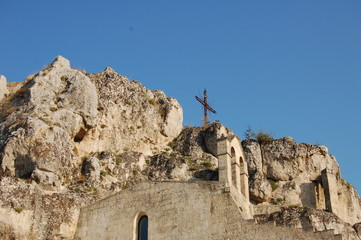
<point x="143" y="228"/>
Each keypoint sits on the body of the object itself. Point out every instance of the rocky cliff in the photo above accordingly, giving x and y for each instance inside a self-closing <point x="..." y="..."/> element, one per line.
<point x="69" y="138"/>
<point x="285" y="173"/>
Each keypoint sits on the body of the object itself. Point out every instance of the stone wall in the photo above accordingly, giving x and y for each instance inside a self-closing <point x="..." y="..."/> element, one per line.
<point x="177" y="210"/>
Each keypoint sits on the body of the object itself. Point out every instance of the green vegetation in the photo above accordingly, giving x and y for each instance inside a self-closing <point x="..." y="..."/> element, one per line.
<point x="274" y="184"/>
<point x="261" y="136"/>
<point x="75" y="150"/>
<point x="18" y="210"/>
<point x="206" y="164"/>
<point x="103" y="173"/>
<point x="292" y="206"/>
<point x="278" y="201"/>
<point x="240" y="208"/>
<point x="249" y="133"/>
<point x="91" y="189"/>
<point x="264" y="137"/>
<point x="192" y="165"/>
<point x="66" y="181"/>
<point x="172" y="144"/>
<point x="117" y="160"/>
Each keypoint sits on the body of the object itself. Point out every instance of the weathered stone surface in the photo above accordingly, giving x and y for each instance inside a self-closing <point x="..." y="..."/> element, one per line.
<point x="311" y="219"/>
<point x="174" y="166"/>
<point x="61" y="115"/>
<point x="91" y="168"/>
<point x="212" y="133"/>
<point x="38" y="145"/>
<point x="260" y="189"/>
<point x="253" y="154"/>
<point x="200" y="143"/>
<point x="7" y="232"/>
<point x="196" y="210"/>
<point x="59" y="87"/>
<point x="69" y="138"/>
<point x="131" y="117"/>
<point x="293" y="171"/>
<point x="357" y="227"/>
<point x="3" y="87"/>
<point x="45" y="177"/>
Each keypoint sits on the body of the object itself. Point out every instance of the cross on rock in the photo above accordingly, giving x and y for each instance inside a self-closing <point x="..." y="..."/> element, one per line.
<point x="206" y="107"/>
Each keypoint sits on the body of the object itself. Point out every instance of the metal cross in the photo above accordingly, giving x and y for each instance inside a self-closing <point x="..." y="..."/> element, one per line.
<point x="206" y="107"/>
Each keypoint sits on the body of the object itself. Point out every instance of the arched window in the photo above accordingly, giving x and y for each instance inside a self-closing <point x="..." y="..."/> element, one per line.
<point x="233" y="153"/>
<point x="233" y="167"/>
<point x="143" y="228"/>
<point x="243" y="176"/>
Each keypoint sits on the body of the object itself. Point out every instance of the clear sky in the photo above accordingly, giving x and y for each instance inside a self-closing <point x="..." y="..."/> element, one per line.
<point x="290" y="67"/>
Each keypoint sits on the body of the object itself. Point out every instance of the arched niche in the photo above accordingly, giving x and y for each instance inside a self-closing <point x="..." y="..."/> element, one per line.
<point x="244" y="177"/>
<point x="234" y="167"/>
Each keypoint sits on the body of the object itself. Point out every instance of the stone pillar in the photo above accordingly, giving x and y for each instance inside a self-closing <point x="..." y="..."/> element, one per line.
<point x="3" y="88"/>
<point x="244" y="178"/>
<point x="224" y="161"/>
<point x="238" y="177"/>
<point x="330" y="186"/>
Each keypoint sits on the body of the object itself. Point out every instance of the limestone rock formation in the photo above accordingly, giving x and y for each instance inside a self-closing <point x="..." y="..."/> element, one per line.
<point x="3" y="87"/>
<point x="191" y="156"/>
<point x="69" y="138"/>
<point x="149" y="119"/>
<point x="285" y="173"/>
<point x="65" y="141"/>
<point x="311" y="219"/>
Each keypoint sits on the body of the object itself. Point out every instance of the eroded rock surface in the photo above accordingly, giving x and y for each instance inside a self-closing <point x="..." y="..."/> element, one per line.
<point x="3" y="87"/>
<point x="69" y="138"/>
<point x="312" y="220"/>
<point x="65" y="142"/>
<point x="148" y="119"/>
<point x="285" y="173"/>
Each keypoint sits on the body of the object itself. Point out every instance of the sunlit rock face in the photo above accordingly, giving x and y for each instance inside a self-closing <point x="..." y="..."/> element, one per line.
<point x="70" y="138"/>
<point x="62" y="114"/>
<point x="3" y="87"/>
<point x="285" y="173"/>
<point x="67" y="132"/>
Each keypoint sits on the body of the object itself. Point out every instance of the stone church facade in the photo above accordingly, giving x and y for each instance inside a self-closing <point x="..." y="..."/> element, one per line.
<point x="186" y="210"/>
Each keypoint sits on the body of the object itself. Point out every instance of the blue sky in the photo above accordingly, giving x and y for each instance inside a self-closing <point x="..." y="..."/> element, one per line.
<point x="290" y="67"/>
